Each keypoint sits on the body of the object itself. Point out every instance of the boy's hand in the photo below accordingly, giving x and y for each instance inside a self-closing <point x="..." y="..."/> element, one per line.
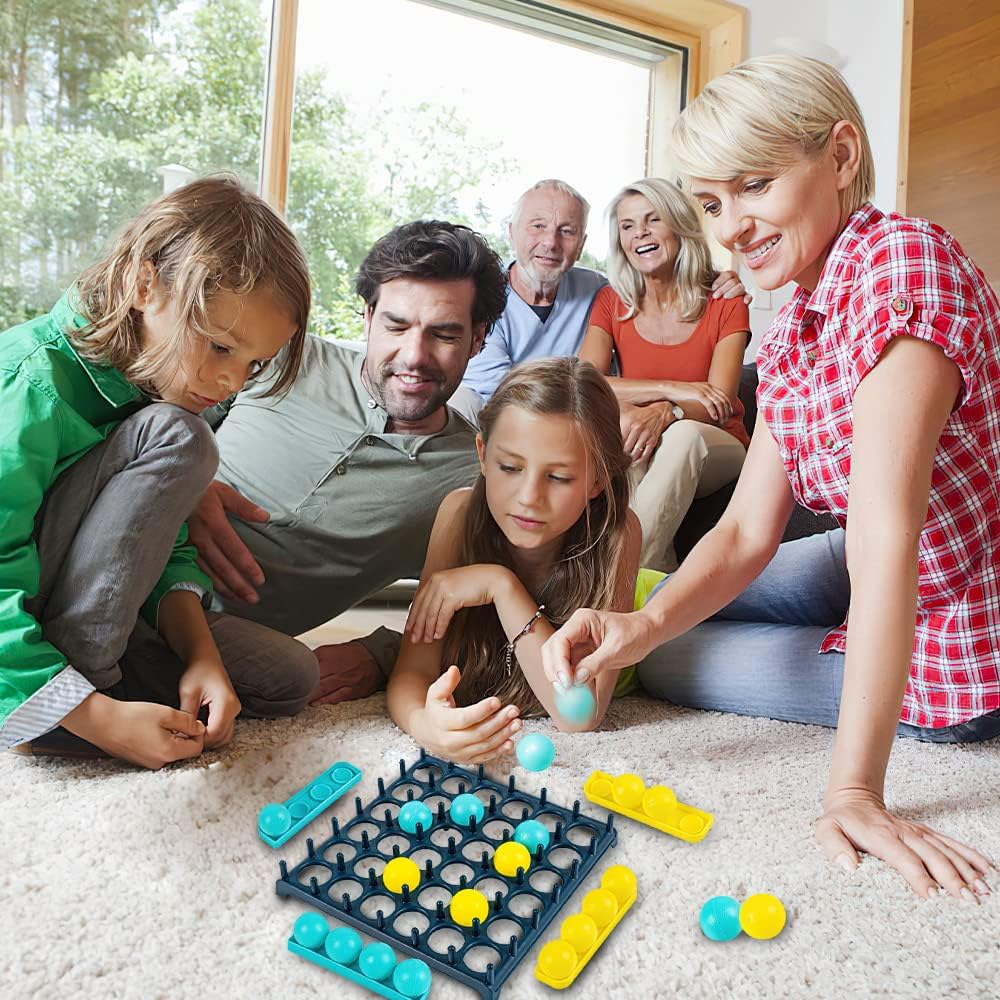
<point x="205" y="682"/>
<point x="472" y="735"/>
<point x="446" y="592"/>
<point x="137" y="731"/>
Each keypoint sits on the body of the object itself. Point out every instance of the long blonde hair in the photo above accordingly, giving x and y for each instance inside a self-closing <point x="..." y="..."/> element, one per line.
<point x="764" y="115"/>
<point x="693" y="271"/>
<point x="588" y="572"/>
<point x="208" y="235"/>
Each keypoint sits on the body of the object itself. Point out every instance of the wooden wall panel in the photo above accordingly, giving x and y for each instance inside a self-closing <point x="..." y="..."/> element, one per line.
<point x="953" y="168"/>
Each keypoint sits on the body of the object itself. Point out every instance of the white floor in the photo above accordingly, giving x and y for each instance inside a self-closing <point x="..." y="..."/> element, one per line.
<point x="125" y="884"/>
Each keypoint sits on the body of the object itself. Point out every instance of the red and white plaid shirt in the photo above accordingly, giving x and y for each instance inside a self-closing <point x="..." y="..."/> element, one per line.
<point x="888" y="275"/>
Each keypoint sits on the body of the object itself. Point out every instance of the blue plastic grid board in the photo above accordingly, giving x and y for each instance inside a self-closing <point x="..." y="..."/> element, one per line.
<point x="342" y="875"/>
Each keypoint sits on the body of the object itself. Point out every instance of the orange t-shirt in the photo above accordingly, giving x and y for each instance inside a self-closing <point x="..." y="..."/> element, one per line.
<point x="688" y="361"/>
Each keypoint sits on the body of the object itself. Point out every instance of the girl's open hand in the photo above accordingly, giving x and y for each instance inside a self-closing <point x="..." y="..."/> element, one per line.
<point x="474" y="734"/>
<point x="857" y="820"/>
<point x="446" y="592"/>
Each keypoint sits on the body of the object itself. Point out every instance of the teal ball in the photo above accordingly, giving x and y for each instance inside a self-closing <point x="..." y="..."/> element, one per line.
<point x="720" y="918"/>
<point x="535" y="751"/>
<point x="576" y="704"/>
<point x="343" y="945"/>
<point x="377" y="961"/>
<point x="310" y="931"/>
<point x="412" y="978"/>
<point x="532" y="834"/>
<point x="274" y="820"/>
<point x="465" y="808"/>
<point x="415" y="814"/>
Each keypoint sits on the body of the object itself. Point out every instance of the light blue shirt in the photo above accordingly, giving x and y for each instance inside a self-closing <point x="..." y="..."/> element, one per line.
<point x="519" y="335"/>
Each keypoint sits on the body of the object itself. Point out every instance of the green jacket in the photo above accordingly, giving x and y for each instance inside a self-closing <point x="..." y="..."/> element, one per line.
<point x="54" y="407"/>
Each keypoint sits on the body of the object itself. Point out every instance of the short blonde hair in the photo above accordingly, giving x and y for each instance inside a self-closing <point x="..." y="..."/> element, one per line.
<point x="767" y="113"/>
<point x="693" y="271"/>
<point x="208" y="235"/>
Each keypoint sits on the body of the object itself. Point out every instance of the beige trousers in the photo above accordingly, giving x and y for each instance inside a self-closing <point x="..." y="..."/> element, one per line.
<point x="692" y="460"/>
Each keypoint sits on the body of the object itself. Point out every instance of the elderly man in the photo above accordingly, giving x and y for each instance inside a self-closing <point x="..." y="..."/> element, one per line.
<point x="549" y="295"/>
<point x="328" y="493"/>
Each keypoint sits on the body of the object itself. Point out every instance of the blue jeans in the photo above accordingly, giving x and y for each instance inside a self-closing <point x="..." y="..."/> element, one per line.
<point x="760" y="654"/>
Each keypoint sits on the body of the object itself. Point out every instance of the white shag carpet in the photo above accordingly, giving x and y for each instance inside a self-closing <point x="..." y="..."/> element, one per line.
<point x="117" y="883"/>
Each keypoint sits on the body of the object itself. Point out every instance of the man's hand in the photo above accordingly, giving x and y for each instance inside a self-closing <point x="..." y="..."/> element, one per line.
<point x="446" y="592"/>
<point x="643" y="426"/>
<point x="205" y="682"/>
<point x="857" y="820"/>
<point x="473" y="735"/>
<point x="728" y="286"/>
<point x="137" y="731"/>
<point x="347" y="670"/>
<point x="221" y="552"/>
<point x="593" y="641"/>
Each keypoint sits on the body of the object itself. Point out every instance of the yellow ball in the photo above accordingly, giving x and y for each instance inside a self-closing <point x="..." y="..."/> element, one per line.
<point x="762" y="916"/>
<point x="628" y="790"/>
<point x="659" y="802"/>
<point x="557" y="960"/>
<point x="468" y="905"/>
<point x="510" y="856"/>
<point x="580" y="931"/>
<point x="620" y="881"/>
<point x="601" y="906"/>
<point x="399" y="872"/>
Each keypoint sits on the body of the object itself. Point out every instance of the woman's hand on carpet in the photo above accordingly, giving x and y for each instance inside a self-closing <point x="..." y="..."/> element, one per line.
<point x="206" y="683"/>
<point x="473" y="734"/>
<point x="593" y="641"/>
<point x="857" y="820"/>
<point x="347" y="671"/>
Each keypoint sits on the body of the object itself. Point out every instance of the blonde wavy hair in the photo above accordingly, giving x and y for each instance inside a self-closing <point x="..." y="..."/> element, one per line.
<point x="588" y="572"/>
<point x="209" y="235"/>
<point x="693" y="270"/>
<point x="766" y="114"/>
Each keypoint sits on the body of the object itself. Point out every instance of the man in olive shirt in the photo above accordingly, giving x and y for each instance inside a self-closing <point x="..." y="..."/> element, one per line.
<point x="328" y="494"/>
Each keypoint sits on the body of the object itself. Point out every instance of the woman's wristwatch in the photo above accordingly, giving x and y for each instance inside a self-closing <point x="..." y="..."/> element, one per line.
<point x="677" y="412"/>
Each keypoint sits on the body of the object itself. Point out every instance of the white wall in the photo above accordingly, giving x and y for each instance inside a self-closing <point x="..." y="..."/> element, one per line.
<point x="867" y="36"/>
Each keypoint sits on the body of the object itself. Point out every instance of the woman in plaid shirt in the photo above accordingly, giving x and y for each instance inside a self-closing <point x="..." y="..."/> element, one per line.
<point x="880" y="403"/>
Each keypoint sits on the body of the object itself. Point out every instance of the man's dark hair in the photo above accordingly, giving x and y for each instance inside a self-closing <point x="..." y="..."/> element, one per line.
<point x="438" y="251"/>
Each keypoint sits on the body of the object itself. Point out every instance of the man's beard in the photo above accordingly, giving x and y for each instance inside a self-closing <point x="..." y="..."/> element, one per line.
<point x="410" y="409"/>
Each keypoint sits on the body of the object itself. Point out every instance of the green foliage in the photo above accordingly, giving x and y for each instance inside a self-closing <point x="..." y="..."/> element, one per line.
<point x="117" y="89"/>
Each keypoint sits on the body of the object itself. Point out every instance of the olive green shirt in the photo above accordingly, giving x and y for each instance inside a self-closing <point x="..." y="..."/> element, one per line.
<point x="351" y="504"/>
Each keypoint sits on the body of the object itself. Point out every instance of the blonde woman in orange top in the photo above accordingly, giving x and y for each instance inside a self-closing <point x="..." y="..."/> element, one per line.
<point x="680" y="352"/>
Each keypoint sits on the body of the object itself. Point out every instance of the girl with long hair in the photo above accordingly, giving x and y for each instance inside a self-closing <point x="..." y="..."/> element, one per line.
<point x="104" y="453"/>
<point x="545" y="530"/>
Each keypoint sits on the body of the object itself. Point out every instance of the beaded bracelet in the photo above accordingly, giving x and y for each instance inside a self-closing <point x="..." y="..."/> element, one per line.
<point x="524" y="631"/>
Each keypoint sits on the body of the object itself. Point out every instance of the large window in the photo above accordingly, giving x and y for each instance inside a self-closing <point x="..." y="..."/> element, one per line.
<point x="103" y="105"/>
<point x="403" y="109"/>
<point x="406" y="110"/>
